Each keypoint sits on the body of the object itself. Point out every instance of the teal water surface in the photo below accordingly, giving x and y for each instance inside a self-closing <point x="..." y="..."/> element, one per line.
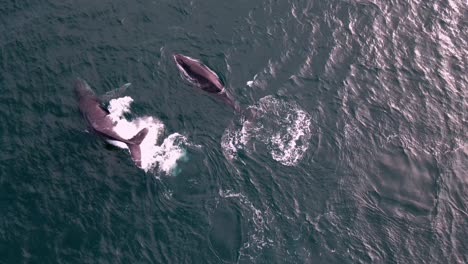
<point x="359" y="155"/>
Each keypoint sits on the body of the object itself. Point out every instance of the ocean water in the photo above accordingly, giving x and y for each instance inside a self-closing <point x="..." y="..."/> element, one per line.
<point x="357" y="152"/>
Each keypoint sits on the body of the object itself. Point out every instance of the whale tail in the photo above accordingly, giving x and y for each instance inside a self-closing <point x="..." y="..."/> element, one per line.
<point x="229" y="99"/>
<point x="233" y="104"/>
<point x="134" y="146"/>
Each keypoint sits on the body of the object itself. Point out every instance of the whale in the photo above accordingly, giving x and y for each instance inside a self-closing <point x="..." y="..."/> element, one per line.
<point x="199" y="75"/>
<point x="98" y="120"/>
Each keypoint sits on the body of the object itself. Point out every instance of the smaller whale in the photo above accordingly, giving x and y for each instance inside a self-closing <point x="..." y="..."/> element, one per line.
<point x="204" y="78"/>
<point x="99" y="122"/>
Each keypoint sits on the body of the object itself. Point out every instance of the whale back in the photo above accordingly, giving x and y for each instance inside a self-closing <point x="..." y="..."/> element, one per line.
<point x="199" y="74"/>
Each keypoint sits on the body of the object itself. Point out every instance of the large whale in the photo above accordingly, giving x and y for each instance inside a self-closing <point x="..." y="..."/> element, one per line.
<point x="204" y="78"/>
<point x="99" y="121"/>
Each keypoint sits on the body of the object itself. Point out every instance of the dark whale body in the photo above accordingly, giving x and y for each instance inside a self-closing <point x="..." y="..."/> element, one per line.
<point x="204" y="78"/>
<point x="99" y="121"/>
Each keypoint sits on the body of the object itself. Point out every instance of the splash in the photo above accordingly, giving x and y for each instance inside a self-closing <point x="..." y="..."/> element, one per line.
<point x="283" y="127"/>
<point x="163" y="157"/>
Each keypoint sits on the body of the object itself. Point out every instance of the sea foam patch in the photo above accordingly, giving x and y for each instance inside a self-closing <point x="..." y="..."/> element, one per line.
<point x="163" y="157"/>
<point x="283" y="127"/>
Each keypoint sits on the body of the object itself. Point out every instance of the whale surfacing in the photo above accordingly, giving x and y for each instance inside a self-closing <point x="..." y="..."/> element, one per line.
<point x="98" y="120"/>
<point x="204" y="78"/>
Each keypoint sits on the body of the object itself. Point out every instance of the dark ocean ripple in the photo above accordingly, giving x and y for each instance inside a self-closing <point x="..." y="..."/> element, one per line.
<point x="358" y="152"/>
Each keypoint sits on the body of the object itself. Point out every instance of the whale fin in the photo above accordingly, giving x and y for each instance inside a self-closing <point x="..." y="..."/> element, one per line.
<point x="134" y="146"/>
<point x="114" y="93"/>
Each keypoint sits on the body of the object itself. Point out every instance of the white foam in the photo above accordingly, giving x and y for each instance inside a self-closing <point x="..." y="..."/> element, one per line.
<point x="169" y="152"/>
<point x="285" y="147"/>
<point x="255" y="82"/>
<point x="163" y="157"/>
<point x="283" y="127"/>
<point x="231" y="142"/>
<point x="119" y="106"/>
